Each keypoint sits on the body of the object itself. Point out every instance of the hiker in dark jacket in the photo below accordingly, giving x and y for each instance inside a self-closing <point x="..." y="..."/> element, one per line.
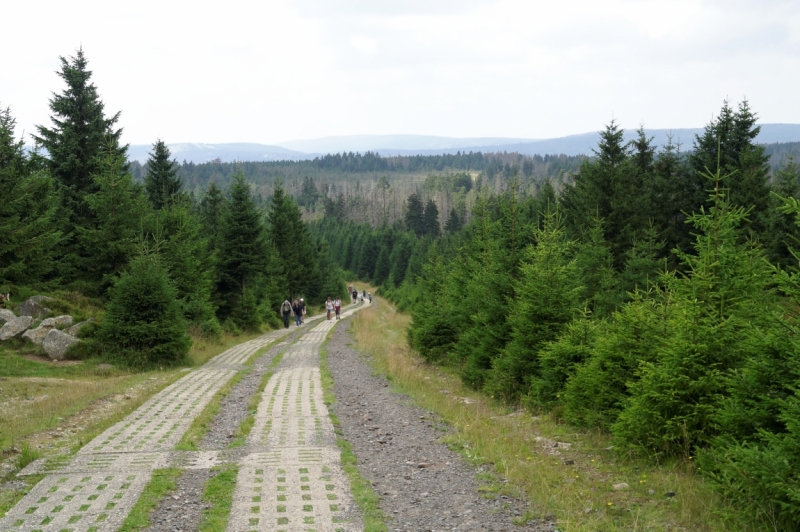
<point x="286" y="312"/>
<point x="297" y="310"/>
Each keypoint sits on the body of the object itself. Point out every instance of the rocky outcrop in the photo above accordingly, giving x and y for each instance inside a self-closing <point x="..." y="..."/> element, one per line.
<point x="34" y="307"/>
<point x="38" y="334"/>
<point x="6" y="315"/>
<point x="56" y="344"/>
<point x="15" y="327"/>
<point x="73" y="331"/>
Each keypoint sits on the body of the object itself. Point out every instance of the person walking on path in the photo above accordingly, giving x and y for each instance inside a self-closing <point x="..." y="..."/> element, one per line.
<point x="302" y="311"/>
<point x="355" y="296"/>
<point x="286" y="312"/>
<point x="329" y="307"/>
<point x="297" y="310"/>
<point x="337" y="306"/>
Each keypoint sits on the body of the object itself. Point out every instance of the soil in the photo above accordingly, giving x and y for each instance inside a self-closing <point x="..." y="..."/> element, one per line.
<point x="422" y="484"/>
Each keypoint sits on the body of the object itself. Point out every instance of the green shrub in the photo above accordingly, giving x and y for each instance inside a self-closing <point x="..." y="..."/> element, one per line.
<point x="230" y="327"/>
<point x="211" y="328"/>
<point x="144" y="324"/>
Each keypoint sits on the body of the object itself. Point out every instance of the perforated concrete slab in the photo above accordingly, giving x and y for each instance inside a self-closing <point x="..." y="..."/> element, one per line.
<point x="77" y="502"/>
<point x="292" y="480"/>
<point x="95" y="490"/>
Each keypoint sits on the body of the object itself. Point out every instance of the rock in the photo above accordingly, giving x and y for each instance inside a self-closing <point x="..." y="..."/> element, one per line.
<point x="621" y="486"/>
<point x="58" y="321"/>
<point x="15" y="327"/>
<point x="6" y="315"/>
<point x="38" y="334"/>
<point x="33" y="307"/>
<point x="670" y="494"/>
<point x="569" y="462"/>
<point x="56" y="343"/>
<point x="651" y="492"/>
<point x="73" y="331"/>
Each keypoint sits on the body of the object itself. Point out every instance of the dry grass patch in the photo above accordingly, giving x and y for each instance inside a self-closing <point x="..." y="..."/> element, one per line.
<point x="575" y="479"/>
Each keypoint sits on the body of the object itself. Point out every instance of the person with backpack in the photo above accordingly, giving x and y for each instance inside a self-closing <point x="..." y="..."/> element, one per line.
<point x="355" y="296"/>
<point x="329" y="308"/>
<point x="337" y="306"/>
<point x="286" y="312"/>
<point x="302" y="311"/>
<point x="297" y="310"/>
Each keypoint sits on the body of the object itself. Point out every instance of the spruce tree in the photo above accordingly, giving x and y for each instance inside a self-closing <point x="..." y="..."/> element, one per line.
<point x="415" y="217"/>
<point x="431" y="219"/>
<point x="143" y="324"/>
<point x="28" y="233"/>
<point x="244" y="251"/>
<point x="546" y="297"/>
<point x="75" y="150"/>
<point x="118" y="208"/>
<point x="290" y="237"/>
<point x="162" y="182"/>
<point x="453" y="223"/>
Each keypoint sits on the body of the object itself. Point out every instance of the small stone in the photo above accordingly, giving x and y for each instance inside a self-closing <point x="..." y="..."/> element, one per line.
<point x="620" y="486"/>
<point x="651" y="492"/>
<point x="569" y="462"/>
<point x="587" y="510"/>
<point x="669" y="494"/>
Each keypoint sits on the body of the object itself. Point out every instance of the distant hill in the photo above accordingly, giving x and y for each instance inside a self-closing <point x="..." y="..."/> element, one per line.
<point x="412" y="144"/>
<point x="409" y="145"/>
<point x="230" y="152"/>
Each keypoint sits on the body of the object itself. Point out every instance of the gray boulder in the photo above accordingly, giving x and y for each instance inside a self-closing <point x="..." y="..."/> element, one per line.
<point x="58" y="321"/>
<point x="38" y="334"/>
<point x="6" y="315"/>
<point x="34" y="307"/>
<point x="56" y="343"/>
<point x="15" y="327"/>
<point x="73" y="331"/>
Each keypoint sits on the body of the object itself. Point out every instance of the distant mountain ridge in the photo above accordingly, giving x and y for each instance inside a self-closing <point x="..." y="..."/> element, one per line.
<point x="388" y="145"/>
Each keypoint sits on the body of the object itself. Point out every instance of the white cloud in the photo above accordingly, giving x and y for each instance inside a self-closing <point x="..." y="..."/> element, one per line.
<point x="277" y="70"/>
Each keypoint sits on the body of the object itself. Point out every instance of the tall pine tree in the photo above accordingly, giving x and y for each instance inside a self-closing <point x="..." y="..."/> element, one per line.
<point x="162" y="182"/>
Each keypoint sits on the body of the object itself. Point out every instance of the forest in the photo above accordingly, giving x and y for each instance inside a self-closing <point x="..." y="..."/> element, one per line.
<point x="645" y="292"/>
<point x="652" y="297"/>
<point x="161" y="260"/>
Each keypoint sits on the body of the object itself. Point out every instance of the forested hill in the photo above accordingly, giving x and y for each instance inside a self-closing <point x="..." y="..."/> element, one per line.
<point x="353" y="167"/>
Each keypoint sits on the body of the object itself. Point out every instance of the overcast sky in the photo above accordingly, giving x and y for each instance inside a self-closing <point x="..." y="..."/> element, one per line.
<point x="270" y="71"/>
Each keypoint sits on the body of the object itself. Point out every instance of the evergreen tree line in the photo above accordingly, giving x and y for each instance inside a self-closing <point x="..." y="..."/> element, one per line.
<point x="72" y="217"/>
<point x="653" y="298"/>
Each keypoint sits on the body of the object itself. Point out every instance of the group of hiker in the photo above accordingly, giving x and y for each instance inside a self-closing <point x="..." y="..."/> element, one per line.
<point x="297" y="308"/>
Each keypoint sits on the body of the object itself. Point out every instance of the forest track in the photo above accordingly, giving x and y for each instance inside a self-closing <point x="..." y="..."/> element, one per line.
<point x="96" y="489"/>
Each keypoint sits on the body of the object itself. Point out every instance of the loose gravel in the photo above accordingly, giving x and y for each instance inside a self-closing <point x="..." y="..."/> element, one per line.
<point x="423" y="485"/>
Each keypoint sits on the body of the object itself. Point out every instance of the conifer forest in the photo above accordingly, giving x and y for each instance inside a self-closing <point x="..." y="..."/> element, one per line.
<point x="647" y="292"/>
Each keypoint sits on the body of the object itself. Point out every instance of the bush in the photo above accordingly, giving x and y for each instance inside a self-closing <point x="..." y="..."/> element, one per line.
<point x="144" y="324"/>
<point x="211" y="328"/>
<point x="230" y="327"/>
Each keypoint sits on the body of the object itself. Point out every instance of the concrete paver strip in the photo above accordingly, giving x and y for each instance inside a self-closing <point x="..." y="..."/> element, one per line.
<point x="292" y="479"/>
<point x="96" y="489"/>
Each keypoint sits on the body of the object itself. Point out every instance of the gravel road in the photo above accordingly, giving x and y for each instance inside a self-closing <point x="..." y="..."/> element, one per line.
<point x="423" y="485"/>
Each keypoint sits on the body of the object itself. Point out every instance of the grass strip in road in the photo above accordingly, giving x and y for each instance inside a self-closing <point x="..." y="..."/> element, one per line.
<point x="576" y="483"/>
<point x="218" y="494"/>
<point x="243" y="431"/>
<point x="161" y="484"/>
<point x="361" y="488"/>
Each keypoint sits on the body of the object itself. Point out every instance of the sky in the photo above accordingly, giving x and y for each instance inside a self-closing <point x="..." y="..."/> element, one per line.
<point x="269" y="71"/>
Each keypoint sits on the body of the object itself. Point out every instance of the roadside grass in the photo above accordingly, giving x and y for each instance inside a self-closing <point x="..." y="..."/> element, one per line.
<point x="218" y="493"/>
<point x="361" y="488"/>
<point x="161" y="484"/>
<point x="10" y="497"/>
<point x="572" y="482"/>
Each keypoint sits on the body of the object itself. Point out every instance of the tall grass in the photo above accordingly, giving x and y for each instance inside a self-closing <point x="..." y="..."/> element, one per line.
<point x="573" y="482"/>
